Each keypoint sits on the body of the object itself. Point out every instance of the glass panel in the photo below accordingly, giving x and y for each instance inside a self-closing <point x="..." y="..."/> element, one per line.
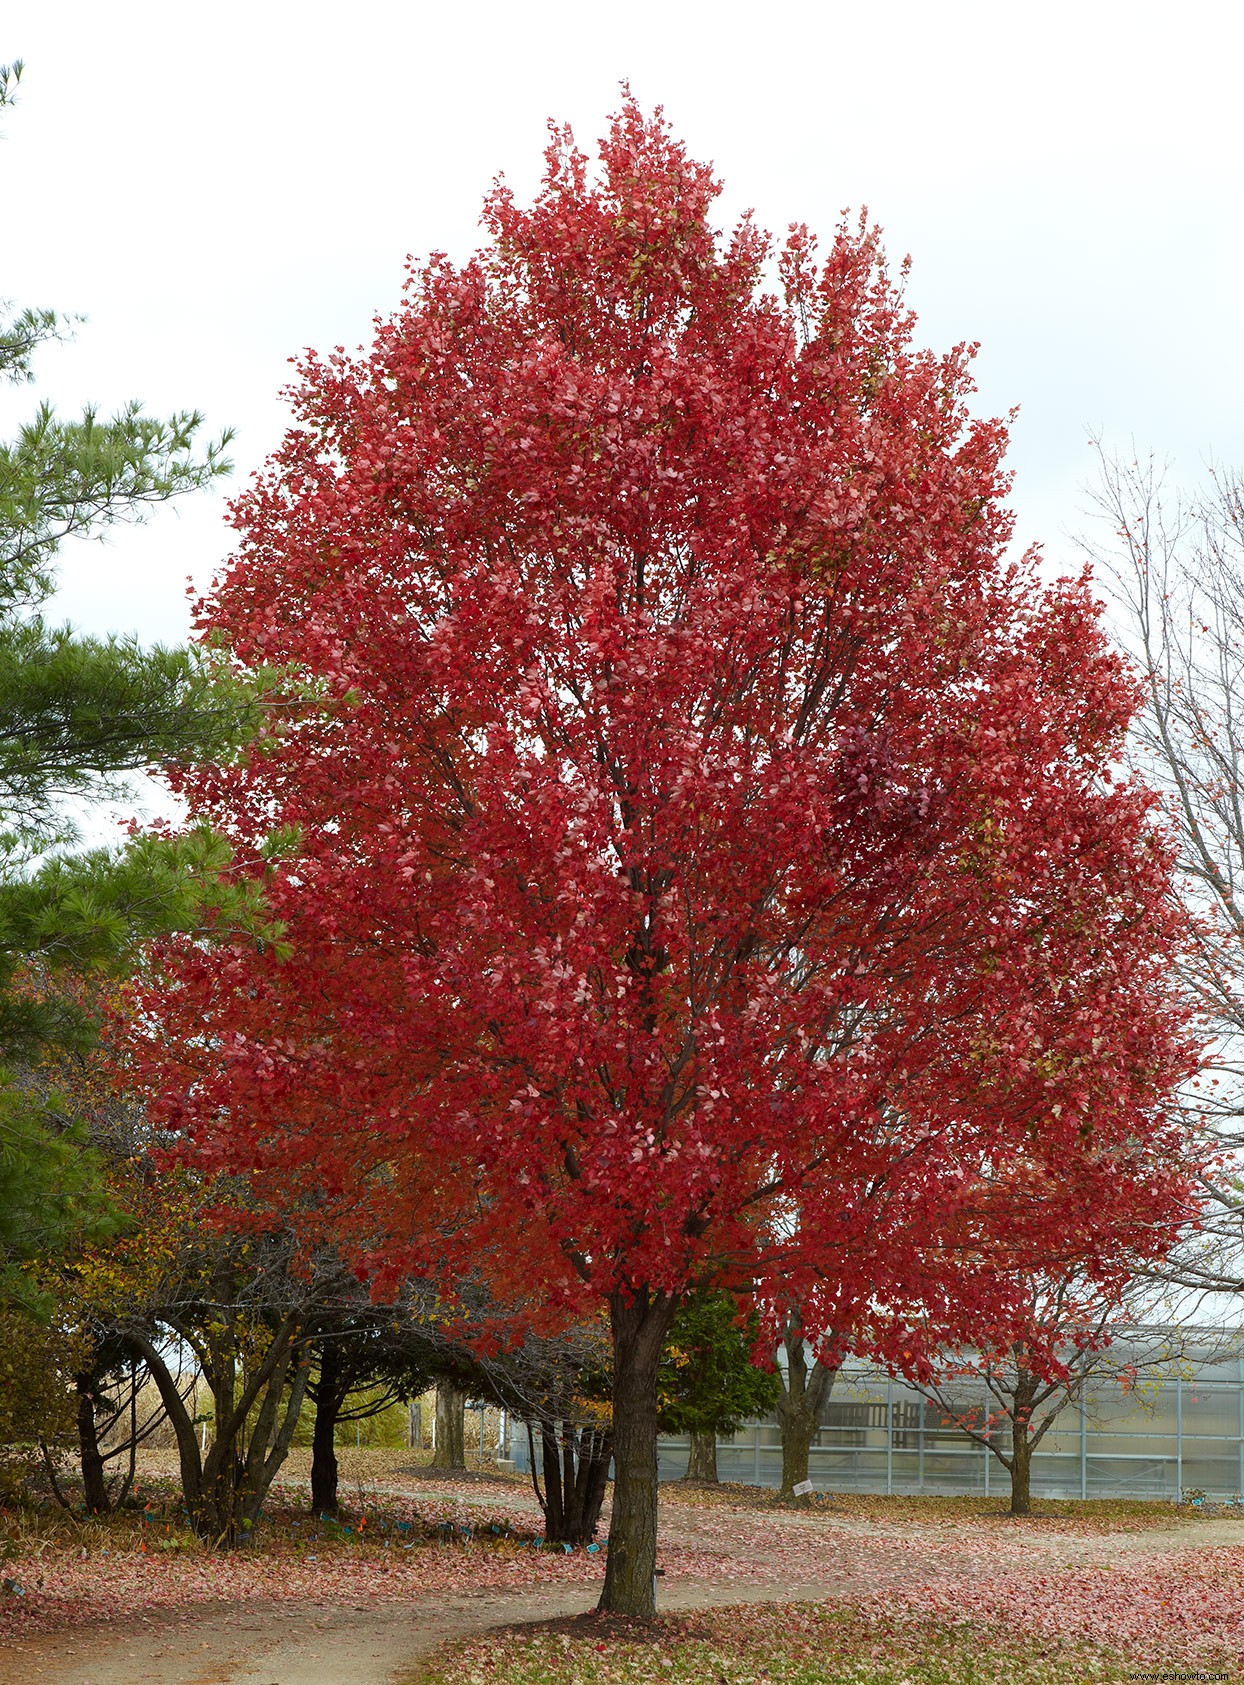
<point x="1131" y="1444"/>
<point x="736" y="1463"/>
<point x="1212" y="1363"/>
<point x="1056" y="1443"/>
<point x="853" y="1422"/>
<point x="1054" y="1476"/>
<point x="838" y="1439"/>
<point x="1212" y="1410"/>
<point x="908" y="1415"/>
<point x="906" y="1470"/>
<point x="946" y="1473"/>
<point x="941" y="1428"/>
<point x="858" y="1389"/>
<point x="826" y="1457"/>
<point x="1144" y="1477"/>
<point x="946" y="1462"/>
<point x="1220" y="1475"/>
<point x="671" y="1464"/>
<point x="860" y="1469"/>
<point x="1150" y="1410"/>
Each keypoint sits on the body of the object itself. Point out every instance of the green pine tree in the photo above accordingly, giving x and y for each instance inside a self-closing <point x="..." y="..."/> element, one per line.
<point x="707" y="1383"/>
<point x="79" y="716"/>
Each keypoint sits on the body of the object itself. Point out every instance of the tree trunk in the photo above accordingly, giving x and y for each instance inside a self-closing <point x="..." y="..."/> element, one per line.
<point x="1022" y="1400"/>
<point x="550" y="1463"/>
<point x="702" y="1458"/>
<point x="94" y="1486"/>
<point x="225" y="1490"/>
<point x="188" y="1452"/>
<point x="272" y="1439"/>
<point x="805" y="1392"/>
<point x="328" y="1399"/>
<point x="639" y="1326"/>
<point x="576" y="1472"/>
<point x="1021" y="1469"/>
<point x="450" y="1449"/>
<point x="595" y="1456"/>
<point x="799" y="1425"/>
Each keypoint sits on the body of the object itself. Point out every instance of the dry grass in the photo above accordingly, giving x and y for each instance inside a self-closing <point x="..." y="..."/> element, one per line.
<point x="1070" y="1514"/>
<point x="784" y="1644"/>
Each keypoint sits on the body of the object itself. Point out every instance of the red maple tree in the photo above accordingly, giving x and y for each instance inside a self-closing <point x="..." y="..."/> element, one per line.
<point x="704" y="863"/>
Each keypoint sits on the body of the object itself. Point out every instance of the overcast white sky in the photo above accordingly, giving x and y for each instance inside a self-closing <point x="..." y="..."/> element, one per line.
<point x="216" y="187"/>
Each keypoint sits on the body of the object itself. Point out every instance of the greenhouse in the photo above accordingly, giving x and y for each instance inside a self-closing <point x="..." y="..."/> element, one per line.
<point x="1177" y="1432"/>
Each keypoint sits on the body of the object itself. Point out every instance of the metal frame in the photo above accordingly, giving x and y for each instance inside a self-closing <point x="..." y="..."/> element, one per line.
<point x="866" y="1457"/>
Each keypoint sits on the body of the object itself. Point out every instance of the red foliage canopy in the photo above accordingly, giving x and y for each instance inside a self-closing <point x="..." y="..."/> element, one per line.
<point x="710" y="863"/>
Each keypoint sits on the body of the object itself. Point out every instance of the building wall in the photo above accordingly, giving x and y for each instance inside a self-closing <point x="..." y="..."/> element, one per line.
<point x="1172" y="1435"/>
<point x="1177" y="1434"/>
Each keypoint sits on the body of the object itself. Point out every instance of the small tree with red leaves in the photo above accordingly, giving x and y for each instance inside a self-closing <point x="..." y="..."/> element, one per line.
<point x="704" y="868"/>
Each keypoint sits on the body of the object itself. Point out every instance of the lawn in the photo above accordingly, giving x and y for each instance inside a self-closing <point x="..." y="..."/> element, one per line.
<point x="873" y="1590"/>
<point x="785" y="1644"/>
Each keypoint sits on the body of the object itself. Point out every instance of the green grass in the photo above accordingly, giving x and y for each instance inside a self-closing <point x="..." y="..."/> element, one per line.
<point x="790" y="1644"/>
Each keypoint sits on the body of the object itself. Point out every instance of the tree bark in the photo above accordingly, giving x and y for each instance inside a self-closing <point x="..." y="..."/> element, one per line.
<point x="272" y="1440"/>
<point x="1021" y="1468"/>
<point x="805" y="1392"/>
<point x="1022" y="1401"/>
<point x="799" y="1427"/>
<point x="188" y="1453"/>
<point x="550" y="1462"/>
<point x="94" y="1486"/>
<point x="576" y="1472"/>
<point x="329" y="1395"/>
<point x="639" y="1324"/>
<point x="595" y="1457"/>
<point x="450" y="1449"/>
<point x="702" y="1458"/>
<point x="225" y="1490"/>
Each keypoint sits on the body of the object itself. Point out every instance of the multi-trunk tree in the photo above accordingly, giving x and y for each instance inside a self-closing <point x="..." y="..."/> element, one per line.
<point x="558" y="1388"/>
<point x="185" y="1290"/>
<point x="705" y="863"/>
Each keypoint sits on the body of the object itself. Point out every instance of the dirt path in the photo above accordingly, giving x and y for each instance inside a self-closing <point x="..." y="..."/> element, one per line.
<point x="343" y="1645"/>
<point x="1187" y="1535"/>
<point x="1191" y="1536"/>
<point x="295" y="1644"/>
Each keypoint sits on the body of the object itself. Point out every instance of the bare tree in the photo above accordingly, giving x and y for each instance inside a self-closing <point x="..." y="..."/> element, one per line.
<point x="1177" y="565"/>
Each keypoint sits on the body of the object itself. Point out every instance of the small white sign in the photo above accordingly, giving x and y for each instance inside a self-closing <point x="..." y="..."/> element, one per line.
<point x="803" y="1488"/>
